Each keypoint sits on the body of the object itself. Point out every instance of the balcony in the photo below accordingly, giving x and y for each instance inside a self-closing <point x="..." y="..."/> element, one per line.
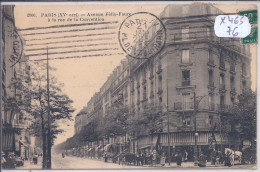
<point x="232" y="69"/>
<point x="225" y="108"/>
<point x="222" y="87"/>
<point x="222" y="66"/>
<point x="211" y="107"/>
<point x="233" y="90"/>
<point x="206" y="36"/>
<point x="211" y="84"/>
<point x="183" y="106"/>
<point x="185" y="83"/>
<point x="211" y="62"/>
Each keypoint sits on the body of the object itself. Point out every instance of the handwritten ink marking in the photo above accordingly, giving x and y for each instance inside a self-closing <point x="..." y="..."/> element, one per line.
<point x="232" y="26"/>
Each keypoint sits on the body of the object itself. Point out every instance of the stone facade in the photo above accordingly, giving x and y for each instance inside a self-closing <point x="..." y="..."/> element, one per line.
<point x="193" y="63"/>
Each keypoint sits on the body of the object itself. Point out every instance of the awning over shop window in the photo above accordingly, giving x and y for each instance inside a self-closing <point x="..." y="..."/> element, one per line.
<point x="179" y="139"/>
<point x="107" y="147"/>
<point x="147" y="141"/>
<point x="145" y="147"/>
<point x="25" y="144"/>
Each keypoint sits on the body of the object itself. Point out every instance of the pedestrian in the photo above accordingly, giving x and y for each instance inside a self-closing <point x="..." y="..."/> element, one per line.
<point x="3" y="161"/>
<point x="154" y="157"/>
<point x="63" y="155"/>
<point x="163" y="158"/>
<point x="105" y="157"/>
<point x="213" y="157"/>
<point x="10" y="161"/>
<point x="228" y="159"/>
<point x="178" y="159"/>
<point x="137" y="159"/>
<point x="202" y="160"/>
<point x="142" y="157"/>
<point x="186" y="156"/>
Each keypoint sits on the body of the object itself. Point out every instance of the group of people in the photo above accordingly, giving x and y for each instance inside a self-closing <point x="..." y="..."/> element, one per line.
<point x="8" y="162"/>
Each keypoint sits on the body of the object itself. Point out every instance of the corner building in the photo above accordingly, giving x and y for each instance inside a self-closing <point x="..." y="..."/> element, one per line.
<point x="193" y="64"/>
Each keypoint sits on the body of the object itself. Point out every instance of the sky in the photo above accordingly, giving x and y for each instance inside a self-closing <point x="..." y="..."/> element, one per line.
<point x="99" y="49"/>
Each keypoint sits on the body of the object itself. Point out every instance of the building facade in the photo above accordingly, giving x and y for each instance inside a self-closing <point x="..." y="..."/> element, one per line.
<point x="194" y="65"/>
<point x="14" y="122"/>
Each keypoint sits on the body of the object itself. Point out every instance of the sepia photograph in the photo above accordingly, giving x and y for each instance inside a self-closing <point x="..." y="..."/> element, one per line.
<point x="128" y="86"/>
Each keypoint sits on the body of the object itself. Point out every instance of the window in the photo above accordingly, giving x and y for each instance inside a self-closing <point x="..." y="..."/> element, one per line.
<point x="243" y="69"/>
<point x="185" y="33"/>
<point x="210" y="58"/>
<point x="232" y="82"/>
<point x="185" y="56"/>
<point x="3" y="75"/>
<point x="221" y="62"/>
<point x="186" y="78"/>
<point x="232" y="100"/>
<point x="232" y="67"/>
<point x="221" y="81"/>
<point x="211" y="102"/>
<point x="3" y="90"/>
<point x="222" y="102"/>
<point x="151" y="91"/>
<point x="244" y="84"/>
<point x="186" y="121"/>
<point x="211" y="79"/>
<point x="144" y="93"/>
<point x="210" y="120"/>
<point x="186" y="101"/>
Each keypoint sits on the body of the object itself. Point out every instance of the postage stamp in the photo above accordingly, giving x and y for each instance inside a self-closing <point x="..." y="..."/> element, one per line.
<point x="253" y="36"/>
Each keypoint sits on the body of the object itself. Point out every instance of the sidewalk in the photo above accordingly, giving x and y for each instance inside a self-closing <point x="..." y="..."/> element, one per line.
<point x="31" y="165"/>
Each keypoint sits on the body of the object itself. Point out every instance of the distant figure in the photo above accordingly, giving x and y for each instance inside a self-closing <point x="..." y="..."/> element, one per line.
<point x="228" y="158"/>
<point x="163" y="158"/>
<point x="63" y="155"/>
<point x="178" y="159"/>
<point x="3" y="161"/>
<point x="10" y="161"/>
<point x="35" y="159"/>
<point x="186" y="156"/>
<point x="202" y="160"/>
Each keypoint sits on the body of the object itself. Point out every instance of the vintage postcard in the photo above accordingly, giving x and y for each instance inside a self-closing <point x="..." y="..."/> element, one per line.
<point x="128" y="85"/>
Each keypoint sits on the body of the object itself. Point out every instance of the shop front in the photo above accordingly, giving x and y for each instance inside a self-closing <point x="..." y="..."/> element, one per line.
<point x="185" y="142"/>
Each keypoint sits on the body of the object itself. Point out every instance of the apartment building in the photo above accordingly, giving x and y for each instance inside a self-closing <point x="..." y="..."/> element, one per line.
<point x="194" y="65"/>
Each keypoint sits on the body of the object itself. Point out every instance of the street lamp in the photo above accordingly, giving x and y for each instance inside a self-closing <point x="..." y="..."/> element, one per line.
<point x="195" y="130"/>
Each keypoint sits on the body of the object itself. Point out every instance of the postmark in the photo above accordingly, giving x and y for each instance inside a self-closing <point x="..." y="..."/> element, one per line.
<point x="142" y="35"/>
<point x="17" y="47"/>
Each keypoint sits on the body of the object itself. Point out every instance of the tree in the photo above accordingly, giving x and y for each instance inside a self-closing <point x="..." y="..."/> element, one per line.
<point x="148" y="121"/>
<point x="37" y="105"/>
<point x="245" y="115"/>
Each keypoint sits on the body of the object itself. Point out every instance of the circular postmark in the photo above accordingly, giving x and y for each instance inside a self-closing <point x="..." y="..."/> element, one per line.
<point x="142" y="35"/>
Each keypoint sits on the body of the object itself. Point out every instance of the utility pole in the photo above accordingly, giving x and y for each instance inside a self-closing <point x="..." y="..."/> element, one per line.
<point x="168" y="127"/>
<point x="49" y="122"/>
<point x="195" y="130"/>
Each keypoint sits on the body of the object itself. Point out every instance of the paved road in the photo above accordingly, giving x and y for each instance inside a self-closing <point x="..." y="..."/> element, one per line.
<point x="70" y="162"/>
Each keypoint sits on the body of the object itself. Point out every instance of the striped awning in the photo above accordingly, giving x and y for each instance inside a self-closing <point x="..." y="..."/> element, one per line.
<point x="7" y="141"/>
<point x="180" y="139"/>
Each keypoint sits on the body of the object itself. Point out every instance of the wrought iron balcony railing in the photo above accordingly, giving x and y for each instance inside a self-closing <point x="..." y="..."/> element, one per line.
<point x="183" y="106"/>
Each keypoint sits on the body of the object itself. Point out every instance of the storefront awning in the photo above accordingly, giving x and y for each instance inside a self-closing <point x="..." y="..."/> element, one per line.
<point x="145" y="147"/>
<point x="107" y="147"/>
<point x="26" y="145"/>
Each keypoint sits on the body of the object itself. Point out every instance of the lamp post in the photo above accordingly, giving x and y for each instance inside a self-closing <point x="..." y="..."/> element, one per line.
<point x="168" y="127"/>
<point x="195" y="132"/>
